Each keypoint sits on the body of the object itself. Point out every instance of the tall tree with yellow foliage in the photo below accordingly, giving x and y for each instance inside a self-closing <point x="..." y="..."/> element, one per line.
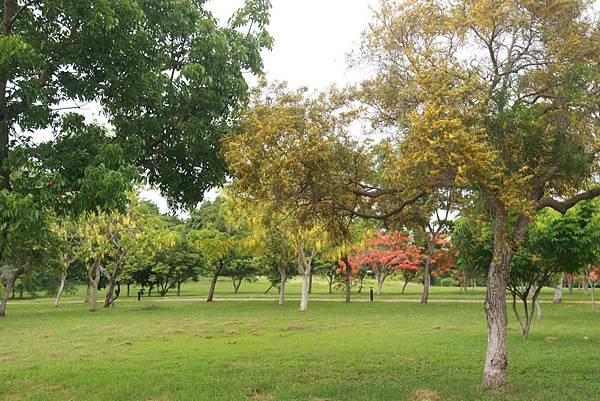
<point x="499" y="98"/>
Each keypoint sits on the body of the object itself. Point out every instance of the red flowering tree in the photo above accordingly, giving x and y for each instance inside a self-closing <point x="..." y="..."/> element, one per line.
<point x="386" y="254"/>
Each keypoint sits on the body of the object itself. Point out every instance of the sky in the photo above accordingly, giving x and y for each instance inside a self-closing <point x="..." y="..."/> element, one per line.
<point x="311" y="41"/>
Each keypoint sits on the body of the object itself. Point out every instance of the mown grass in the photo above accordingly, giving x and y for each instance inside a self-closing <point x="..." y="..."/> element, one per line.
<point x="391" y="291"/>
<point x="255" y="350"/>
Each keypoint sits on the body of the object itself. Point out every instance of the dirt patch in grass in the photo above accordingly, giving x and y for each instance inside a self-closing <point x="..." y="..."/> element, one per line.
<point x="258" y="394"/>
<point x="172" y="330"/>
<point x="423" y="394"/>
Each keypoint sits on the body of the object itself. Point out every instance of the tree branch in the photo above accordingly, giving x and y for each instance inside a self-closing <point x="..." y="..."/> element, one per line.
<point x="563" y="206"/>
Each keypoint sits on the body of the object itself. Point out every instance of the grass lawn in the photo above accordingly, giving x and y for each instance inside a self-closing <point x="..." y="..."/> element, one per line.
<point x="255" y="350"/>
<point x="391" y="291"/>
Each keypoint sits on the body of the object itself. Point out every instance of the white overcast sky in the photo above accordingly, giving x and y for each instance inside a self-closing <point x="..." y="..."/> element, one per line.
<point x="312" y="39"/>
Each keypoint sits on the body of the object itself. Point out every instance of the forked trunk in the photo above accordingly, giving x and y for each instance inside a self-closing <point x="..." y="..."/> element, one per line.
<point x="61" y="288"/>
<point x="305" y="268"/>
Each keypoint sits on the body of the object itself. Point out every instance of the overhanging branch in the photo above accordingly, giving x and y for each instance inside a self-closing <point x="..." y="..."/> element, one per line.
<point x="563" y="206"/>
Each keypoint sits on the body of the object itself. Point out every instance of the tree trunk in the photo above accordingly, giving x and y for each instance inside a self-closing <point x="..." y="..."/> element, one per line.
<point x="128" y="290"/>
<point x="94" y="281"/>
<point x="594" y="297"/>
<point x="213" y="282"/>
<point x="380" y="280"/>
<point x="496" y="359"/>
<point x="406" y="281"/>
<point x="570" y="280"/>
<point x="330" y="284"/>
<point x="61" y="288"/>
<point x="310" y="282"/>
<point x="282" y="281"/>
<point x="178" y="288"/>
<point x="8" y="285"/>
<point x="585" y="282"/>
<point x="426" y="283"/>
<point x="305" y="285"/>
<point x="87" y="293"/>
<point x="427" y="271"/>
<point x="558" y="292"/>
<point x="347" y="278"/>
<point x="236" y="284"/>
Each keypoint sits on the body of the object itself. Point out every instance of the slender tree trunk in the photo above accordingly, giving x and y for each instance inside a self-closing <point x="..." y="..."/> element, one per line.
<point x="570" y="280"/>
<point x="304" y="297"/>
<point x="427" y="271"/>
<point x="269" y="289"/>
<point x="594" y="297"/>
<point x="406" y="281"/>
<point x="310" y="282"/>
<point x="538" y="307"/>
<point x="496" y="359"/>
<point x="61" y="288"/>
<point x="558" y="292"/>
<point x="128" y="290"/>
<point x="94" y="281"/>
<point x="426" y="283"/>
<point x="585" y="282"/>
<point x="87" y="293"/>
<point x="282" y="281"/>
<point x="213" y="282"/>
<point x="347" y="278"/>
<point x="178" y="288"/>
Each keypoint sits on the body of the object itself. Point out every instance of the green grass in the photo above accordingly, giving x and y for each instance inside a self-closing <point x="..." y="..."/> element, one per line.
<point x="391" y="291"/>
<point x="255" y="350"/>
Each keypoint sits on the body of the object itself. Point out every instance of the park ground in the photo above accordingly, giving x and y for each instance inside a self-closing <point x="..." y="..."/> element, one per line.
<point x="157" y="350"/>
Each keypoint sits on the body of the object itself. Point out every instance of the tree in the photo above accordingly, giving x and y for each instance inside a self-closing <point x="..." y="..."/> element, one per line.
<point x="496" y="99"/>
<point x="388" y="253"/>
<point x="218" y="241"/>
<point x="168" y="77"/>
<point x="25" y="237"/>
<point x="555" y="245"/>
<point x="69" y="239"/>
<point x="101" y="235"/>
<point x="294" y="183"/>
